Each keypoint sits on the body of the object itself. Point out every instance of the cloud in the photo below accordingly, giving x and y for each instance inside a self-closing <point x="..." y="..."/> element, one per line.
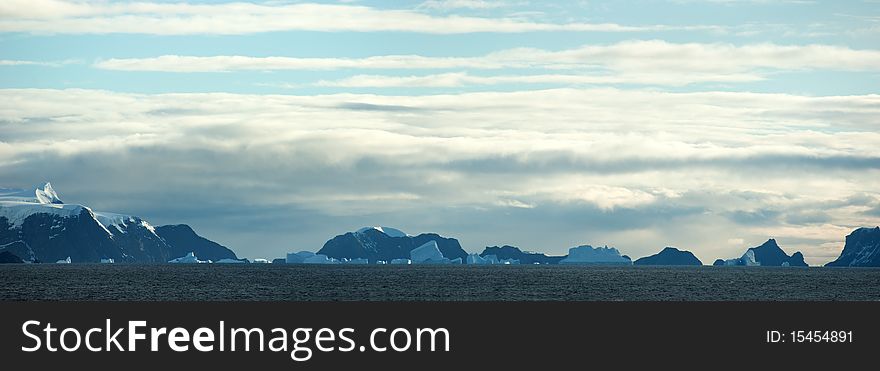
<point x="12" y="62"/>
<point x="233" y="18"/>
<point x="631" y="56"/>
<point x="462" y="4"/>
<point x="648" y="62"/>
<point x="638" y="169"/>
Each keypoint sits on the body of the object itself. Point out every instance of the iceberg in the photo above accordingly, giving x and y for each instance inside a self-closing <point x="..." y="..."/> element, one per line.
<point x="355" y="261"/>
<point x="428" y="253"/>
<point x="401" y="261"/>
<point x="261" y="261"/>
<point x="188" y="259"/>
<point x="229" y="261"/>
<point x="63" y="261"/>
<point x="107" y="261"/>
<point x="748" y="259"/>
<point x="587" y="254"/>
<point x="319" y="259"/>
<point x="456" y="261"/>
<point x="476" y="259"/>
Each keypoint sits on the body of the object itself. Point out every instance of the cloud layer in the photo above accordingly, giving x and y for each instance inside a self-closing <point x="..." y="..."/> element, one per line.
<point x="634" y="168"/>
<point x="231" y="18"/>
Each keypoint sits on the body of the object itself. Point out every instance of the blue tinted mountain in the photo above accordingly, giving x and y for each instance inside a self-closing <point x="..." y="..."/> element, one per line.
<point x="862" y="249"/>
<point x="376" y="243"/>
<point x="511" y="252"/>
<point x="670" y="256"/>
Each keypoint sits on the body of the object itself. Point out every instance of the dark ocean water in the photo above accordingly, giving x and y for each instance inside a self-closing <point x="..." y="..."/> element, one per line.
<point x="310" y="282"/>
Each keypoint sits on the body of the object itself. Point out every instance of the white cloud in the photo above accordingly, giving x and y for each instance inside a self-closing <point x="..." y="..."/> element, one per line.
<point x="461" y="4"/>
<point x="652" y="62"/>
<point x="13" y="62"/>
<point x="59" y="16"/>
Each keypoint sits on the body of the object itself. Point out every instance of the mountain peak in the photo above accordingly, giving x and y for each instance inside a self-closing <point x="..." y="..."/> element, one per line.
<point x="47" y="195"/>
<point x="391" y="232"/>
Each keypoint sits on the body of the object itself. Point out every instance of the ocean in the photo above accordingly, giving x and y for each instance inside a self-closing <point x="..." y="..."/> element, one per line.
<point x="279" y="282"/>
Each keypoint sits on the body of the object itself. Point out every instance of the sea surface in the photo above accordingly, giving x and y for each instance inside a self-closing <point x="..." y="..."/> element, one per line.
<point x="272" y="282"/>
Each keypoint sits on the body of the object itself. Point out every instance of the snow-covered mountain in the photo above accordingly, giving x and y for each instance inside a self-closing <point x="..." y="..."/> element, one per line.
<point x="386" y="244"/>
<point x="862" y="249"/>
<point x="38" y="226"/>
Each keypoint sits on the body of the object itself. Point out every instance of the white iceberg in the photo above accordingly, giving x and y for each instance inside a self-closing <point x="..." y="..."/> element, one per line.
<point x="456" y="261"/>
<point x="261" y="261"/>
<point x="599" y="255"/>
<point x="401" y="261"/>
<point x="188" y="259"/>
<point x="748" y="259"/>
<point x="107" y="261"/>
<point x="428" y="253"/>
<point x="63" y="261"/>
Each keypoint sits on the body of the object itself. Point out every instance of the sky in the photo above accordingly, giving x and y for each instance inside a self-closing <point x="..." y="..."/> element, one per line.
<point x="272" y="126"/>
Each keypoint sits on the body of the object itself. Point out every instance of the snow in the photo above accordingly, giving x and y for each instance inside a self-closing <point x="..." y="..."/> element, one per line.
<point x="47" y="195"/>
<point x="189" y="258"/>
<point x="63" y="261"/>
<point x="17" y="211"/>
<point x="391" y="232"/>
<point x="598" y="255"/>
<point x="428" y="253"/>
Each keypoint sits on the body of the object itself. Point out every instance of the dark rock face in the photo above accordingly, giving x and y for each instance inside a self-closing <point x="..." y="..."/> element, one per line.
<point x="183" y="240"/>
<point x="670" y="256"/>
<point x="279" y="261"/>
<point x="862" y="249"/>
<point x="374" y="245"/>
<point x="511" y="252"/>
<point x="49" y="237"/>
<point x="7" y="257"/>
<point x="718" y="263"/>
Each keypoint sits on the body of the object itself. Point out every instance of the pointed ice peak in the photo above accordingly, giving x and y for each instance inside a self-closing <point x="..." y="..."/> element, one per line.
<point x="391" y="232"/>
<point x="47" y="195"/>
